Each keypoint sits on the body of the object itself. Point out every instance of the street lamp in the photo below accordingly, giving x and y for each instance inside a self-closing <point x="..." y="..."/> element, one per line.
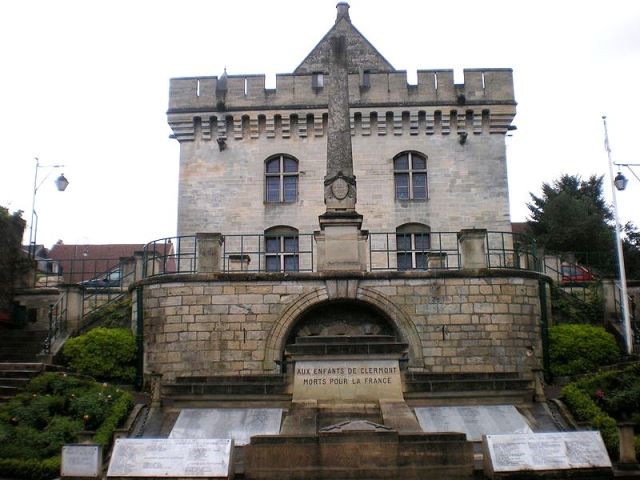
<point x="619" y="182"/>
<point x="61" y="184"/>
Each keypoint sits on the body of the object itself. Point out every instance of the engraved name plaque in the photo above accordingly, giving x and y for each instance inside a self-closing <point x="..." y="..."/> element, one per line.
<point x="194" y="458"/>
<point x="81" y="461"/>
<point x="347" y="380"/>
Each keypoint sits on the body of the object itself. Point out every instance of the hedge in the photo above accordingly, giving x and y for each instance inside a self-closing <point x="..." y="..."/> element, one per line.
<point x="578" y="348"/>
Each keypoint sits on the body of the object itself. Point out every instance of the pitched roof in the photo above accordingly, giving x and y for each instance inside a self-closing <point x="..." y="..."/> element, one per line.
<point x="360" y="53"/>
<point x="85" y="262"/>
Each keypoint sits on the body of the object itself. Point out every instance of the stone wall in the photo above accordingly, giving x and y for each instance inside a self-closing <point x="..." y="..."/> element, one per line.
<point x="223" y="191"/>
<point x="230" y="324"/>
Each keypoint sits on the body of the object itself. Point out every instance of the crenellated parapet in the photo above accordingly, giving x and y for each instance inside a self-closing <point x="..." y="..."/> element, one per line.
<point x="242" y="125"/>
<point x="381" y="104"/>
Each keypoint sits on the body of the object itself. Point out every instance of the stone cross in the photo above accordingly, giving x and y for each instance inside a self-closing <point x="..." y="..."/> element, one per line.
<point x="339" y="182"/>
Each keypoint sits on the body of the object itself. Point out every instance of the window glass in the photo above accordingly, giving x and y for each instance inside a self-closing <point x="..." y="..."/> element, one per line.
<point x="418" y="162"/>
<point x="273" y="166"/>
<point x="422" y="241"/>
<point x="273" y="189"/>
<point x="281" y="179"/>
<point x="273" y="244"/>
<point x="420" y="185"/>
<point x="291" y="263"/>
<point x="290" y="244"/>
<point x="421" y="261"/>
<point x="402" y="186"/>
<point x="290" y="186"/>
<point x="404" y="261"/>
<point x="273" y="263"/>
<point x="403" y="242"/>
<point x="401" y="163"/>
<point x="290" y="165"/>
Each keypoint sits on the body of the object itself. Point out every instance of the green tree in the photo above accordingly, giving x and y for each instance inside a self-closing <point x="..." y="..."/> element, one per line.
<point x="14" y="264"/>
<point x="631" y="251"/>
<point x="571" y="215"/>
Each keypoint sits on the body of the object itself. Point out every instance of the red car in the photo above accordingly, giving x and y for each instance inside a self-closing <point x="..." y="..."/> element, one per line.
<point x="576" y="273"/>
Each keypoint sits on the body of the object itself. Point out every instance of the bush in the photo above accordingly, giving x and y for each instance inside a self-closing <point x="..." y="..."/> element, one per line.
<point x="104" y="353"/>
<point x="52" y="412"/>
<point x="577" y="348"/>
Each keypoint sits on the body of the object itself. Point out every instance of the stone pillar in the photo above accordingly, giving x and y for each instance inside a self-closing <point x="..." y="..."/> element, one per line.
<point x="610" y="297"/>
<point x="341" y="246"/>
<point x="74" y="302"/>
<point x="627" y="447"/>
<point x="127" y="271"/>
<point x="473" y="248"/>
<point x="341" y="243"/>
<point x="437" y="260"/>
<point x="209" y="254"/>
<point x="139" y="261"/>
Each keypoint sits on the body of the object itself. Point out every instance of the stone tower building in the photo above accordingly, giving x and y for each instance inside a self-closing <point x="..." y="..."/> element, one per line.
<point x="430" y="155"/>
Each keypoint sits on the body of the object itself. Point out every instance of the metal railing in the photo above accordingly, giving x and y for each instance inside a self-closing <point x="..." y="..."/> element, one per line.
<point x="257" y="253"/>
<point x="170" y="255"/>
<point x="57" y="323"/>
<point x="440" y="252"/>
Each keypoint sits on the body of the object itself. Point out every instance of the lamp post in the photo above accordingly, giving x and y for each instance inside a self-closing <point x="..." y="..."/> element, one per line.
<point x="61" y="184"/>
<point x="619" y="182"/>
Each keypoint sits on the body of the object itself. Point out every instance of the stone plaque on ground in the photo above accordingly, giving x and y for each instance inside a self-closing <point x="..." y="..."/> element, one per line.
<point x="475" y="421"/>
<point x="151" y="457"/>
<point x="239" y="424"/>
<point x="347" y="380"/>
<point x="81" y="461"/>
<point x="544" y="452"/>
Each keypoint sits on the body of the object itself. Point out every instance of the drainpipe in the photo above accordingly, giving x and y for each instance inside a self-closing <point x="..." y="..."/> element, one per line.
<point x="544" y="328"/>
<point x="139" y="339"/>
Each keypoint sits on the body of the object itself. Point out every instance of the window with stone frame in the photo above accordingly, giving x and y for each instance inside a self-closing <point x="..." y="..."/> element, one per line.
<point x="413" y="243"/>
<point x="281" y="249"/>
<point x="281" y="179"/>
<point x="410" y="176"/>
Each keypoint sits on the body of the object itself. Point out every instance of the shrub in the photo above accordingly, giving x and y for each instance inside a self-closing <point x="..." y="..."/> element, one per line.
<point x="105" y="353"/>
<point x="585" y="409"/>
<point x="36" y="424"/>
<point x="577" y="348"/>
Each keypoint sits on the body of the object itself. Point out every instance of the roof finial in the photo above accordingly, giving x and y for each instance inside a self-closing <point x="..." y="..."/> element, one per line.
<point x="343" y="11"/>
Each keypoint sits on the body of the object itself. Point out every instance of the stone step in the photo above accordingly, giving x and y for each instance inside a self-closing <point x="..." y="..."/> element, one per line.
<point x="346" y="348"/>
<point x="223" y="389"/>
<point x="344" y="339"/>
<point x="14" y="381"/>
<point x="421" y="376"/>
<point x="468" y="385"/>
<point x="235" y="379"/>
<point x="22" y="366"/>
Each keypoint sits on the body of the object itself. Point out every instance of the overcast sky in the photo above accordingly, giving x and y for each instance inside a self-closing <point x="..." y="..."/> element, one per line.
<point x="85" y="84"/>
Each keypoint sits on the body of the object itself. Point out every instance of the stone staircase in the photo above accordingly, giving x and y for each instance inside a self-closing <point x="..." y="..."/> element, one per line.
<point x="14" y="377"/>
<point x="19" y="345"/>
<point x="220" y="387"/>
<point x="508" y="387"/>
<point x="19" y="351"/>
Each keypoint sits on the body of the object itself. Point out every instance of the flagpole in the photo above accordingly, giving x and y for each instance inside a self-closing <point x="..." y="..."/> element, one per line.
<point x="624" y="301"/>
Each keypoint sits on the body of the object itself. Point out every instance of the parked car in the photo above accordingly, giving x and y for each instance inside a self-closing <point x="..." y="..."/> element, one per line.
<point x="576" y="273"/>
<point x="107" y="280"/>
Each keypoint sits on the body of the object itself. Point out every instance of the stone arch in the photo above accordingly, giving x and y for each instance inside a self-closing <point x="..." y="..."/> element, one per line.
<point x="277" y="336"/>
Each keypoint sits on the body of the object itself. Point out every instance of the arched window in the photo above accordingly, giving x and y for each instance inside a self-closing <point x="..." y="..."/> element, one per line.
<point x="281" y="246"/>
<point x="281" y="179"/>
<point x="410" y="176"/>
<point x="413" y="241"/>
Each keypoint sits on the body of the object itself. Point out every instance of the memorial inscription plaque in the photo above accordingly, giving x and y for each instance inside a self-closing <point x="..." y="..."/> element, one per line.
<point x="81" y="461"/>
<point x="475" y="421"/>
<point x="184" y="458"/>
<point x="544" y="451"/>
<point x="347" y="380"/>
<point x="239" y="424"/>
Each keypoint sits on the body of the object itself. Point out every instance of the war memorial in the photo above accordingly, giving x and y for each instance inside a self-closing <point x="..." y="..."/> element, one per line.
<point x="347" y="300"/>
